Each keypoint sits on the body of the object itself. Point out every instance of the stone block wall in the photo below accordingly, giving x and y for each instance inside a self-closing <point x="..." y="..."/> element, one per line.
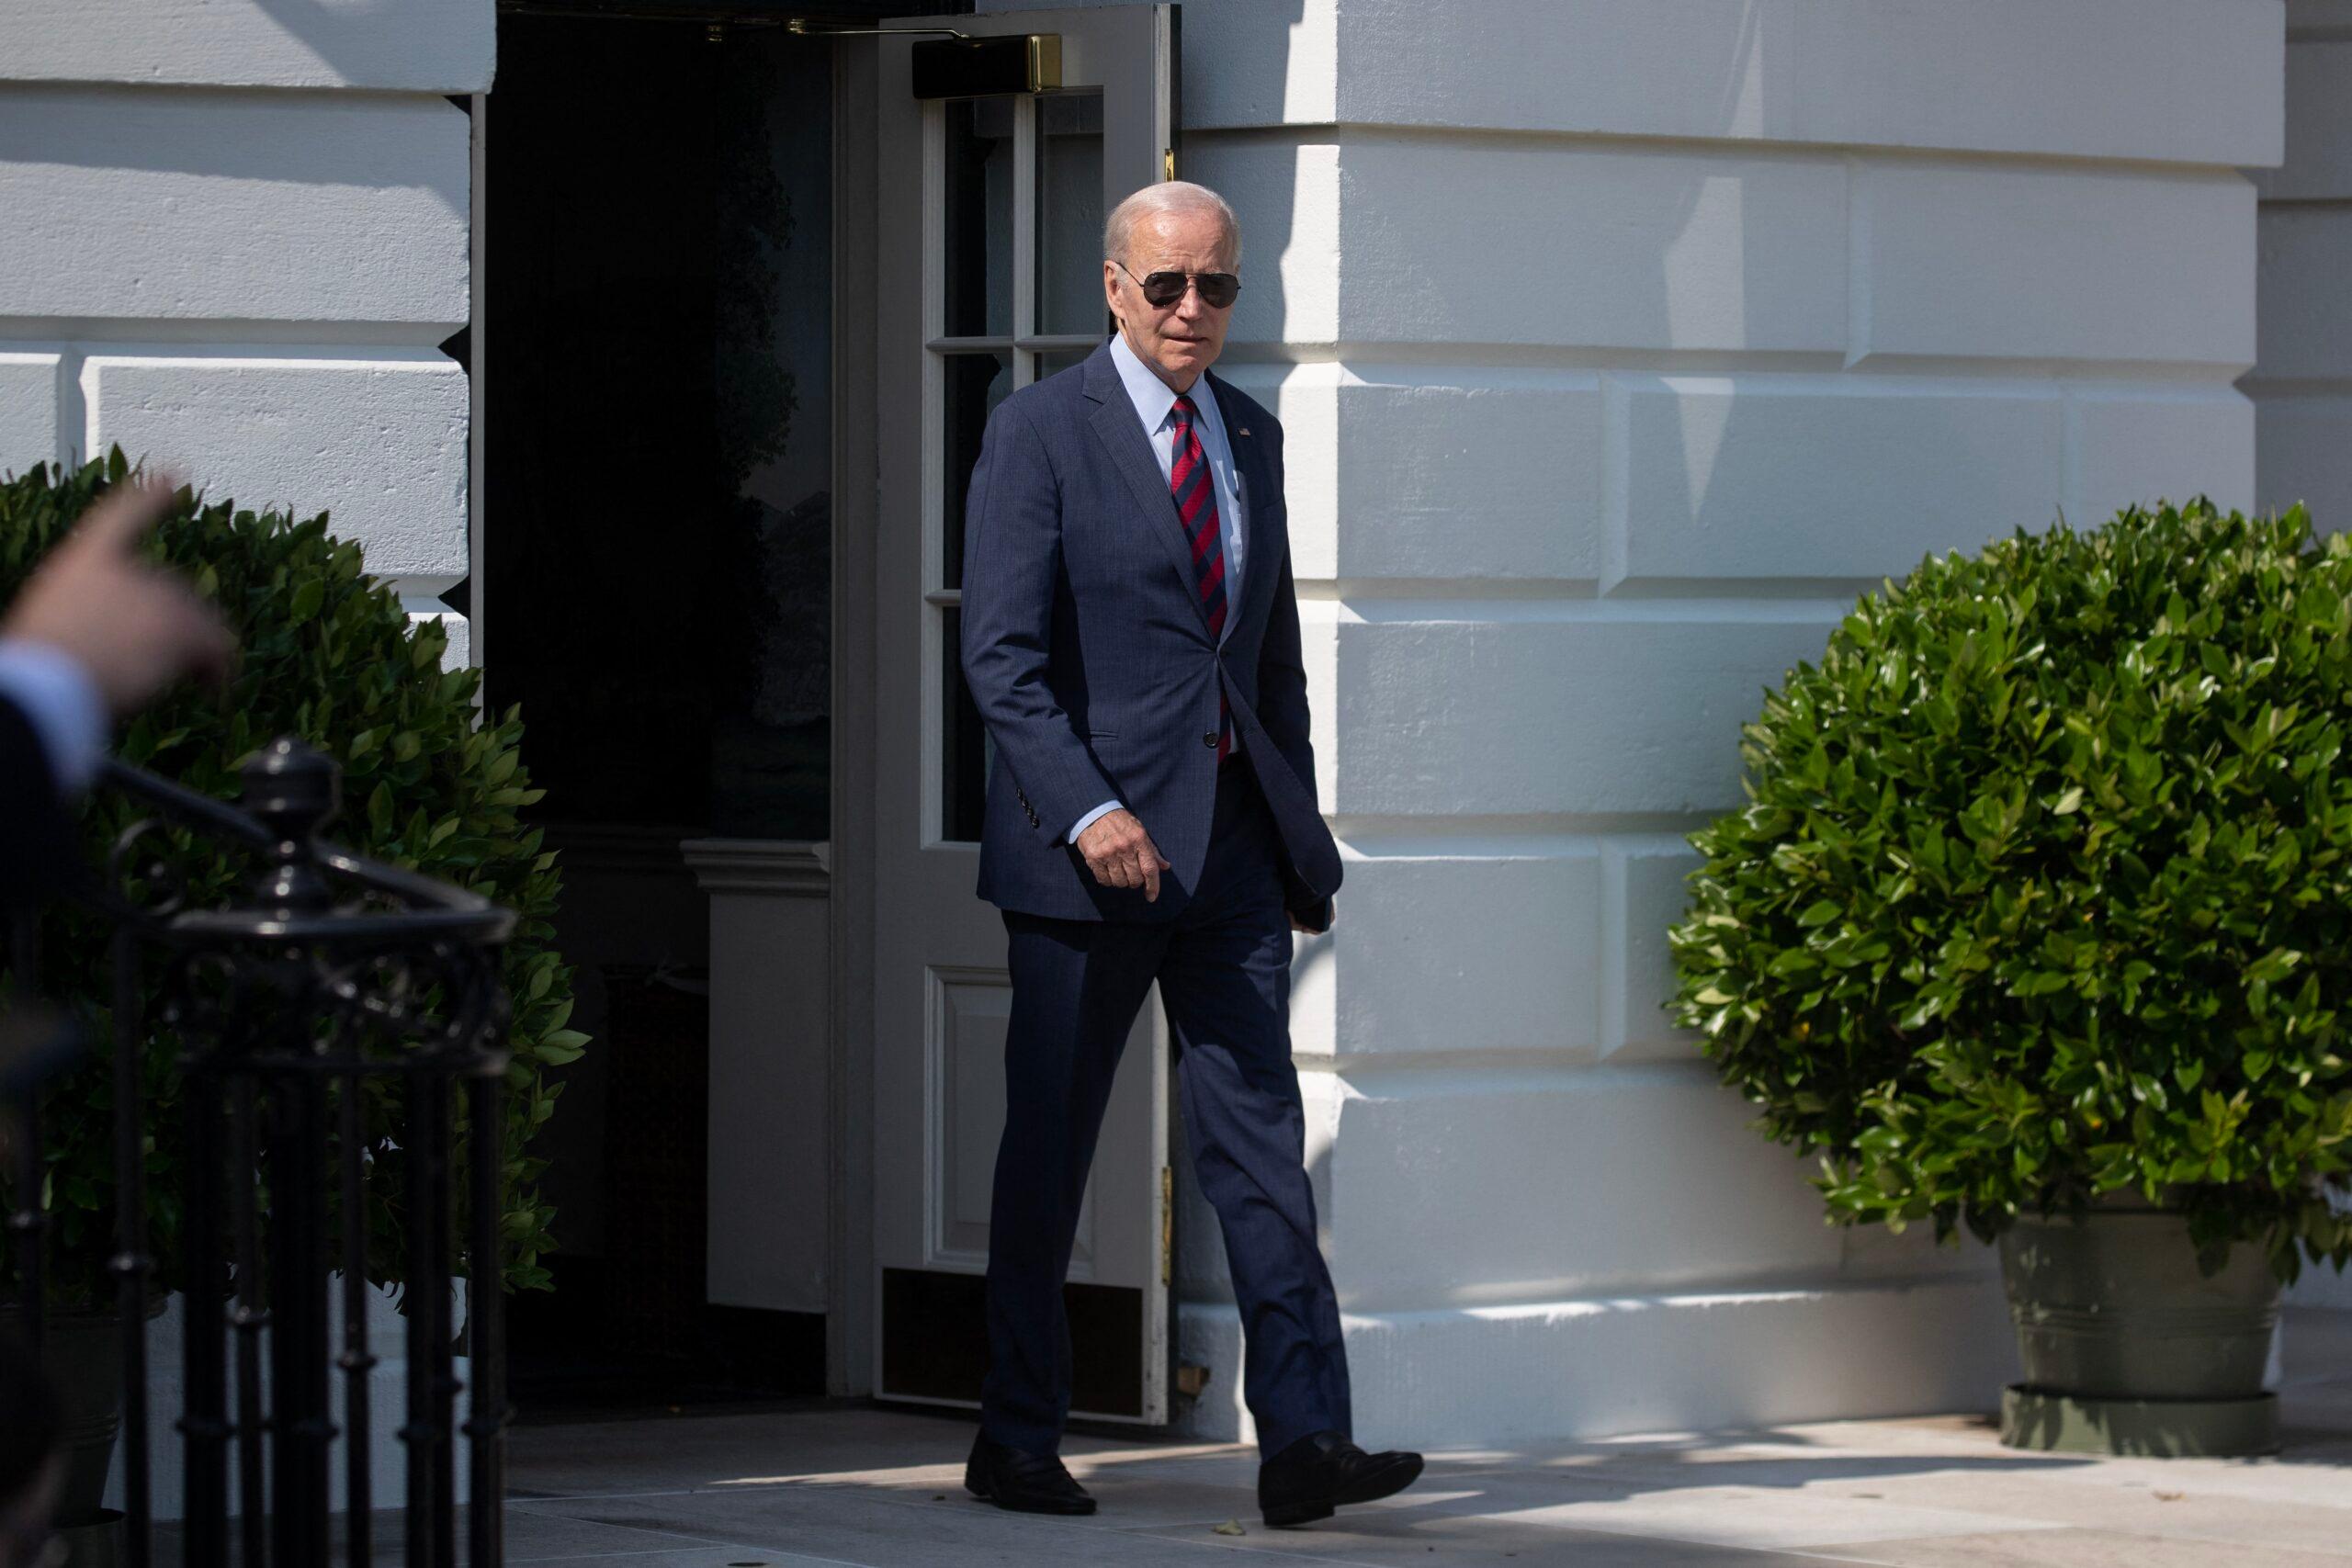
<point x="2301" y="383"/>
<point x="1620" y="344"/>
<point x="236" y="234"/>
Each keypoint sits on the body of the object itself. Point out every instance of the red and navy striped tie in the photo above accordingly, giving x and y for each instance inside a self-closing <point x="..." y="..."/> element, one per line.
<point x="1196" y="492"/>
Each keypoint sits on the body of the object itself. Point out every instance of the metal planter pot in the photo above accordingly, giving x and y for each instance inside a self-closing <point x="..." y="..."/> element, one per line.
<point x="2127" y="1349"/>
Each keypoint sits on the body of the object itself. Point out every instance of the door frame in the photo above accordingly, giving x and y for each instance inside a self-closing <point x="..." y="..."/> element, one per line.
<point x="849" y="1280"/>
<point x="852" y="1332"/>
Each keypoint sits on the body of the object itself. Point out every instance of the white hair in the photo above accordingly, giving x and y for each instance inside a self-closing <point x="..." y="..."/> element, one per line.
<point x="1168" y="195"/>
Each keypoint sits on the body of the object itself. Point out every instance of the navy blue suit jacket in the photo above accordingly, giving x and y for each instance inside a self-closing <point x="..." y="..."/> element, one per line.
<point x="41" y="845"/>
<point x="1088" y="652"/>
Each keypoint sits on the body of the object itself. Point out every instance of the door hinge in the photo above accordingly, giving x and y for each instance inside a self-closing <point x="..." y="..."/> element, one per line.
<point x="1167" y="1225"/>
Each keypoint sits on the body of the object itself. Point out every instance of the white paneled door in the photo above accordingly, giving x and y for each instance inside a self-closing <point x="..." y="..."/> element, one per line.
<point x="990" y="220"/>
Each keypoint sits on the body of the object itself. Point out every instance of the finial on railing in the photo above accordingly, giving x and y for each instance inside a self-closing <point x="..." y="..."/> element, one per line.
<point x="292" y="790"/>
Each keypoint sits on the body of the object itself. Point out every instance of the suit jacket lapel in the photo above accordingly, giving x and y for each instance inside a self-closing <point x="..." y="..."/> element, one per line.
<point x="1122" y="435"/>
<point x="1259" y="570"/>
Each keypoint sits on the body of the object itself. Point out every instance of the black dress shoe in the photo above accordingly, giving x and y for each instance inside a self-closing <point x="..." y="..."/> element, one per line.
<point x="1026" y="1483"/>
<point x="1312" y="1476"/>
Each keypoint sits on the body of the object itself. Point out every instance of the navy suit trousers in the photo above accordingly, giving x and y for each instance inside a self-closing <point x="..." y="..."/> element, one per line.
<point x="1223" y="966"/>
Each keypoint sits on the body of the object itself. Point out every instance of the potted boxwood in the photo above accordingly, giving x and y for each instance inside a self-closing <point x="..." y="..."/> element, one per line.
<point x="430" y="783"/>
<point x="2038" y="922"/>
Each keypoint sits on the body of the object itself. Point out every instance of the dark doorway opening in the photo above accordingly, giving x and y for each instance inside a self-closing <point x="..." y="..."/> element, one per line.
<point x="656" y="344"/>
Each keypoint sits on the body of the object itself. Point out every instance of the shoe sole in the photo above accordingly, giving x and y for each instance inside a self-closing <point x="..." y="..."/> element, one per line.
<point x="1385" y="1482"/>
<point x="1291" y="1514"/>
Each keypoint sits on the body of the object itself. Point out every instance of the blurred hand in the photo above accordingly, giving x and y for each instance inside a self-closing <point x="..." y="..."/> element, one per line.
<point x="133" y="626"/>
<point x="1121" y="855"/>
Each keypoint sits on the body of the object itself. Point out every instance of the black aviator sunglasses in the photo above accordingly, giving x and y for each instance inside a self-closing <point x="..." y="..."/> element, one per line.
<point x="1161" y="290"/>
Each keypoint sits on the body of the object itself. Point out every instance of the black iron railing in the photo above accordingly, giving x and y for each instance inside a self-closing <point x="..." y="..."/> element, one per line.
<point x="332" y="972"/>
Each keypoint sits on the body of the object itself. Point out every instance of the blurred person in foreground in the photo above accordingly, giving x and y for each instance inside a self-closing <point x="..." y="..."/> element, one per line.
<point x="94" y="636"/>
<point x="32" y="1463"/>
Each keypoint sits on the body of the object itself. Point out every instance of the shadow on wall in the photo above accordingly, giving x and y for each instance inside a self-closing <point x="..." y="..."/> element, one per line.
<point x="1680" y="308"/>
<point x="351" y="36"/>
<point x="1810" y="492"/>
<point x="247" y="138"/>
<point x="1264" y="194"/>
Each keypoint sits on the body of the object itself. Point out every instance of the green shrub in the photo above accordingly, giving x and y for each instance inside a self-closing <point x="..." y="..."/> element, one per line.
<point x="2043" y="892"/>
<point x="330" y="657"/>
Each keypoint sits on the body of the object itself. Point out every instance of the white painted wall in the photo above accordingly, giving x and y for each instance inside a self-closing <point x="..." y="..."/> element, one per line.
<point x="235" y="232"/>
<point x="1620" y="344"/>
<point x="2301" y="383"/>
<point x="411" y="46"/>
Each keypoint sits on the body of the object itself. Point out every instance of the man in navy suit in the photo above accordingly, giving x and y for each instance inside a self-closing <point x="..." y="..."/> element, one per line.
<point x="1131" y="639"/>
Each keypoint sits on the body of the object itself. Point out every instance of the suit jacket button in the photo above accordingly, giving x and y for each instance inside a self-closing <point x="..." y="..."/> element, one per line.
<point x="1209" y="740"/>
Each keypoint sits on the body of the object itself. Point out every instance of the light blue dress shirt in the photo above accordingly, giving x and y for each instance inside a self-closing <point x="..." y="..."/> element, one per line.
<point x="1155" y="402"/>
<point x="62" y="702"/>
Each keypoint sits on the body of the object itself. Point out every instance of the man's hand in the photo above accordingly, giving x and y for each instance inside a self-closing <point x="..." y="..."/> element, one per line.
<point x="1121" y="855"/>
<point x="1298" y="925"/>
<point x="134" y="627"/>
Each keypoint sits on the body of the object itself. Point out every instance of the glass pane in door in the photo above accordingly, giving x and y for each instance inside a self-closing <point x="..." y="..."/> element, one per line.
<point x="1069" y="213"/>
<point x="975" y="384"/>
<point x="978" y="276"/>
<point x="1060" y="359"/>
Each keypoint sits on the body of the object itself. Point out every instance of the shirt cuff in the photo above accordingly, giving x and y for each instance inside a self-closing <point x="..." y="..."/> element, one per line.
<point x="1089" y="821"/>
<point x="60" y="702"/>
